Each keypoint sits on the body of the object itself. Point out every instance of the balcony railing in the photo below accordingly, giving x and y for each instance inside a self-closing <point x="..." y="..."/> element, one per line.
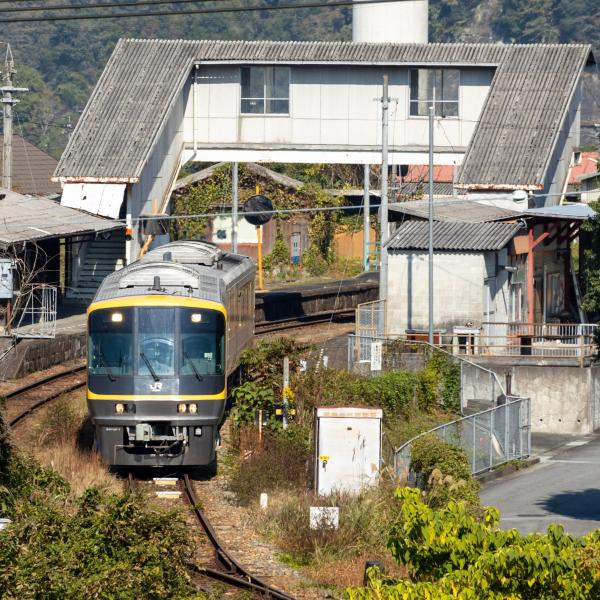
<point x="550" y="340"/>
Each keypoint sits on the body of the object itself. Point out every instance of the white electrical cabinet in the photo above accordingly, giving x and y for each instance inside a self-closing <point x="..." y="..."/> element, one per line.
<point x="348" y="448"/>
<point x="6" y="279"/>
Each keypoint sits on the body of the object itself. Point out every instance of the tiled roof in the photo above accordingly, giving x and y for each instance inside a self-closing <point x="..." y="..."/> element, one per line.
<point x="453" y="235"/>
<point x="512" y="144"/>
<point x="32" y="169"/>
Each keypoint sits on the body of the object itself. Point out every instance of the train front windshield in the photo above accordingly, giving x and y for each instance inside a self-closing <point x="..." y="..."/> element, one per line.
<point x="156" y="342"/>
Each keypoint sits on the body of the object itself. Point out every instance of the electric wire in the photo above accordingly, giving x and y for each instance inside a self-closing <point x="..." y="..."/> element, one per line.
<point x="319" y="4"/>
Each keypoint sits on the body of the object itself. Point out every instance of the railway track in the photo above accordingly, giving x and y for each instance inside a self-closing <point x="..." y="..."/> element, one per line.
<point x="226" y="570"/>
<point x="302" y="321"/>
<point x="23" y="400"/>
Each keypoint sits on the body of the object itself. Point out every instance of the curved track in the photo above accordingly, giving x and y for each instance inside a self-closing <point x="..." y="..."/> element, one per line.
<point x="23" y="400"/>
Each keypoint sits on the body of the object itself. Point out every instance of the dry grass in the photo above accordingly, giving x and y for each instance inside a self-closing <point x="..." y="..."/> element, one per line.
<point x="60" y="436"/>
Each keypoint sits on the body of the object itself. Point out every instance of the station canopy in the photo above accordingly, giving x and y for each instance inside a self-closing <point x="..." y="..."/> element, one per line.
<point x="33" y="218"/>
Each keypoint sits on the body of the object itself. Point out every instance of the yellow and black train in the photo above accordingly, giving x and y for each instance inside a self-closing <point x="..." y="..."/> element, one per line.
<point x="164" y="339"/>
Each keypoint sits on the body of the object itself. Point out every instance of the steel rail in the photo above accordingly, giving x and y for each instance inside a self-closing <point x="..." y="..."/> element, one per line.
<point x="301" y="321"/>
<point x="235" y="574"/>
<point x="34" y="385"/>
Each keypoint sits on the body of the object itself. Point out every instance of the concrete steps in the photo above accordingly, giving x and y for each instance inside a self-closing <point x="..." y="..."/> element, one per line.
<point x="103" y="258"/>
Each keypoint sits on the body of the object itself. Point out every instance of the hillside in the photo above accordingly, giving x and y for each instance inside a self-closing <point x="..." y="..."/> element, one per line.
<point x="61" y="61"/>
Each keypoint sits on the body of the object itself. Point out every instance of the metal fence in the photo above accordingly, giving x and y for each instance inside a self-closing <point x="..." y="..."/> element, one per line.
<point x="489" y="438"/>
<point x="556" y="340"/>
<point x="37" y="317"/>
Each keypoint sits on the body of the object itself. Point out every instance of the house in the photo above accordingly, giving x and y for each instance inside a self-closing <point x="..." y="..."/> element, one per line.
<point x="499" y="270"/>
<point x="32" y="169"/>
<point x="507" y="115"/>
<point x="590" y="187"/>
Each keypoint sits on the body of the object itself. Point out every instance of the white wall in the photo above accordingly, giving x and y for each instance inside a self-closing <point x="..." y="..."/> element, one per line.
<point x="154" y="188"/>
<point x="458" y="290"/>
<point x="330" y="106"/>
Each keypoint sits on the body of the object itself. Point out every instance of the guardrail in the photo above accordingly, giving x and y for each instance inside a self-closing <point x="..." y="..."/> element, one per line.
<point x="556" y="340"/>
<point x="489" y="438"/>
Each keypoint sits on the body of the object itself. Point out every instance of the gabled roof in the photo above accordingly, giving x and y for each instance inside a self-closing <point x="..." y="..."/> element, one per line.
<point x="454" y="235"/>
<point x="32" y="169"/>
<point x="512" y="144"/>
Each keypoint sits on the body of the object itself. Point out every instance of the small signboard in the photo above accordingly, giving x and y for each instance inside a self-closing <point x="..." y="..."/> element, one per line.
<point x="376" y="355"/>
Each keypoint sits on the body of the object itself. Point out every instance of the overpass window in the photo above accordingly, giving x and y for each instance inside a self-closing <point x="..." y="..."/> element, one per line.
<point x="434" y="86"/>
<point x="265" y="90"/>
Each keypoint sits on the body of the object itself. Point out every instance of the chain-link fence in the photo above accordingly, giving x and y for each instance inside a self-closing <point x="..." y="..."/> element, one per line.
<point x="489" y="438"/>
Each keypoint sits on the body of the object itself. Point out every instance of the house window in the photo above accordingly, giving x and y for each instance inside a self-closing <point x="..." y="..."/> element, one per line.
<point x="265" y="90"/>
<point x="434" y="86"/>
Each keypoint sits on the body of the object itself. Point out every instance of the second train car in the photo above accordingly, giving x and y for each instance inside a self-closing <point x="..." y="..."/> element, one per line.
<point x="165" y="335"/>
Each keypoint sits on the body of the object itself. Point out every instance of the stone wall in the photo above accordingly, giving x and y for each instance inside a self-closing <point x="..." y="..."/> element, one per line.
<point x="33" y="355"/>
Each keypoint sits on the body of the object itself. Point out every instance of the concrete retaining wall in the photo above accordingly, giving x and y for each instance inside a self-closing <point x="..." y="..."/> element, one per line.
<point x="564" y="399"/>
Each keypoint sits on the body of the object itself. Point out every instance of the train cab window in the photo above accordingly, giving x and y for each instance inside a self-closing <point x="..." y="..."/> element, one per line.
<point x="156" y="341"/>
<point x="202" y="342"/>
<point x="111" y="342"/>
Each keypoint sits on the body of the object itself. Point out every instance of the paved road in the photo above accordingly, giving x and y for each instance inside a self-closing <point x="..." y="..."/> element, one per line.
<point x="564" y="488"/>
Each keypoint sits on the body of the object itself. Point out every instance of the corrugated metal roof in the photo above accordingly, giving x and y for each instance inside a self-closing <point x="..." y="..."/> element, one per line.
<point x="455" y="235"/>
<point x="471" y="211"/>
<point x="32" y="218"/>
<point x="512" y="143"/>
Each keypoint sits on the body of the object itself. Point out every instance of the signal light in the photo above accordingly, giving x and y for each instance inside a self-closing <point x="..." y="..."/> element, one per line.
<point x="128" y="233"/>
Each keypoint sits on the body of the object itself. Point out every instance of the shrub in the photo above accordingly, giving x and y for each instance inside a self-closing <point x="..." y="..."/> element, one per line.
<point x="446" y="470"/>
<point x="452" y="554"/>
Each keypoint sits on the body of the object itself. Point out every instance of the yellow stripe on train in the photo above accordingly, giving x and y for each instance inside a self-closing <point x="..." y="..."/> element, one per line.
<point x="93" y="396"/>
<point x="148" y="300"/>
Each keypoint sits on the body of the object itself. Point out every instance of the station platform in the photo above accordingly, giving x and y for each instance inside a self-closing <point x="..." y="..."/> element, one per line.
<point x="23" y="356"/>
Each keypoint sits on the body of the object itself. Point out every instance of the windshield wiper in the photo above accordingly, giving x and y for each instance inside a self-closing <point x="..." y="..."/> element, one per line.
<point x="196" y="372"/>
<point x="152" y="371"/>
<point x="110" y="376"/>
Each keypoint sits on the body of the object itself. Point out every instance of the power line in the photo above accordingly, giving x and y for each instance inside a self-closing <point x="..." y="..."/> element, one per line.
<point x="28" y="9"/>
<point x="197" y="11"/>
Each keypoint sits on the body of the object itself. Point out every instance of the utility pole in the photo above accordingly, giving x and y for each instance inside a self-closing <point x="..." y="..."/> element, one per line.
<point x="366" y="215"/>
<point x="383" y="209"/>
<point x="431" y="224"/>
<point x="234" y="207"/>
<point x="8" y="102"/>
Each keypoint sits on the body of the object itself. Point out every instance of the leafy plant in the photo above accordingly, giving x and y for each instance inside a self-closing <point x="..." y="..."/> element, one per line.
<point x="450" y="553"/>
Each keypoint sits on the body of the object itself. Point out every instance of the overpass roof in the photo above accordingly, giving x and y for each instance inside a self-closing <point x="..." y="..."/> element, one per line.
<point x="512" y="145"/>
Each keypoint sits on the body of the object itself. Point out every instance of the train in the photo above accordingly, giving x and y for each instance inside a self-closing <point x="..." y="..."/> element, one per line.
<point x="165" y="334"/>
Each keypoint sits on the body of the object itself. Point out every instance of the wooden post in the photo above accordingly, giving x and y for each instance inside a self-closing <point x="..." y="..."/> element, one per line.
<point x="530" y="278"/>
<point x="259" y="258"/>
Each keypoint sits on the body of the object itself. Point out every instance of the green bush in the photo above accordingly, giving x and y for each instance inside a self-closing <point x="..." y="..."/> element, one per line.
<point x="103" y="546"/>
<point x="279" y="257"/>
<point x="446" y="470"/>
<point x="452" y="554"/>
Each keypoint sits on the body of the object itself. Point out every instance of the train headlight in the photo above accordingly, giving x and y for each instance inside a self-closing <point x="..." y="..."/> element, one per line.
<point x="196" y="318"/>
<point x="181" y="408"/>
<point x="119" y="408"/>
<point x="116" y="317"/>
<point x="192" y="408"/>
